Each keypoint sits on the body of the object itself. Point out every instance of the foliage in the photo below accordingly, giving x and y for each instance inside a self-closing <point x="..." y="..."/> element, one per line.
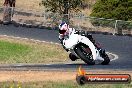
<point x="59" y="6"/>
<point x="113" y="9"/>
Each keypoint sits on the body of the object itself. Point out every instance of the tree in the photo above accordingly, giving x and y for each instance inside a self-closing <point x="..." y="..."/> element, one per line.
<point x="113" y="9"/>
<point x="62" y="6"/>
<point x="8" y="10"/>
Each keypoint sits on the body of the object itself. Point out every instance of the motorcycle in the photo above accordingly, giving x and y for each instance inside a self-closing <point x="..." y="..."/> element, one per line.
<point x="81" y="45"/>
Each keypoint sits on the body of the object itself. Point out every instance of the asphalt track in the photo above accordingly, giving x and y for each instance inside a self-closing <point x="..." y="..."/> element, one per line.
<point x="120" y="45"/>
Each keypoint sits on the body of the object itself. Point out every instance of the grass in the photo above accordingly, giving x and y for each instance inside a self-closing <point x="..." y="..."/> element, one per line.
<point x="68" y="84"/>
<point x="24" y="51"/>
<point x="12" y="50"/>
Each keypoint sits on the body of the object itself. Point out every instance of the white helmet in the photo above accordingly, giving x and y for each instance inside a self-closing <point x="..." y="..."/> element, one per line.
<point x="63" y="27"/>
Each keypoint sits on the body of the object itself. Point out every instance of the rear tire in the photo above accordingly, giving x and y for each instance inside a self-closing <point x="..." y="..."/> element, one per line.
<point x="80" y="53"/>
<point x="106" y="59"/>
<point x="72" y="57"/>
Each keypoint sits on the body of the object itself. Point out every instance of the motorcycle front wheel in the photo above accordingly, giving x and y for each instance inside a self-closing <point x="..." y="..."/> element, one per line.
<point x="84" y="55"/>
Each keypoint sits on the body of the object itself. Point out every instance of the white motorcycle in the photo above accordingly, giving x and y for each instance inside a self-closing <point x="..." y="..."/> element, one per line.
<point x="80" y="46"/>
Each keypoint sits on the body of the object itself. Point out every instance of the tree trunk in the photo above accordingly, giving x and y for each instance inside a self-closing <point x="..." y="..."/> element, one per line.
<point x="65" y="13"/>
<point x="7" y="15"/>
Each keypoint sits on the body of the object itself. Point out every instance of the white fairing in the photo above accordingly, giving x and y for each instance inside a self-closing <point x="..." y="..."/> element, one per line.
<point x="75" y="39"/>
<point x="71" y="41"/>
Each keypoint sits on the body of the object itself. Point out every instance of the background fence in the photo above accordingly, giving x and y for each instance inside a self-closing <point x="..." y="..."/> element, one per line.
<point x="78" y="20"/>
<point x="101" y="24"/>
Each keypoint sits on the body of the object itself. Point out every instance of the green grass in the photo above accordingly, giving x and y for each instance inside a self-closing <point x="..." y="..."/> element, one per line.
<point x="69" y="84"/>
<point x="22" y="51"/>
<point x="12" y="50"/>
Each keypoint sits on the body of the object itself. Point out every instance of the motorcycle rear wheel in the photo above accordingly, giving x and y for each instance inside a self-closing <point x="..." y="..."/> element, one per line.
<point x="106" y="59"/>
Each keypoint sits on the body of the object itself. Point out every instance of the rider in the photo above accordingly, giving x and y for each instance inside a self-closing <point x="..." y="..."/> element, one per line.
<point x="65" y="31"/>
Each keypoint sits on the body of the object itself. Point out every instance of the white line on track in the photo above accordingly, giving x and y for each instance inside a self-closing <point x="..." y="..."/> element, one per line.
<point x="115" y="56"/>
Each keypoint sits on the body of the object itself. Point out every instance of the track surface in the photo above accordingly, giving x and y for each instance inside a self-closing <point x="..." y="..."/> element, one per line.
<point x="120" y="45"/>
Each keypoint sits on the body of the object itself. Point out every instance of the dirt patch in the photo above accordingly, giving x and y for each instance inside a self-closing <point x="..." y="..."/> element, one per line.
<point x="54" y="76"/>
<point x="34" y="76"/>
<point x="27" y="5"/>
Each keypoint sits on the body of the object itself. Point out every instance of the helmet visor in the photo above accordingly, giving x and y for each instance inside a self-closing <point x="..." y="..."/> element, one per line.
<point x="62" y="31"/>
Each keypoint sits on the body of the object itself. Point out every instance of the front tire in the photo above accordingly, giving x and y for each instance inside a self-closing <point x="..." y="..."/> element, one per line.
<point x="79" y="52"/>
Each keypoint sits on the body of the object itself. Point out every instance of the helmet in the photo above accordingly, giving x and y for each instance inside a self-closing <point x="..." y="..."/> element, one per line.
<point x="63" y="28"/>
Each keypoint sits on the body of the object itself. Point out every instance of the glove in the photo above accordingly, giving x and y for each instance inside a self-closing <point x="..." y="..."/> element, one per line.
<point x="61" y="40"/>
